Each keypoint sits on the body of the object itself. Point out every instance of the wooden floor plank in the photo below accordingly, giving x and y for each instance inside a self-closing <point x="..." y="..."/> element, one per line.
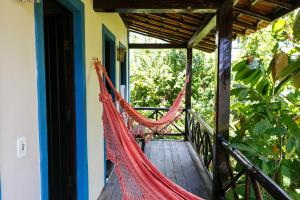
<point x="178" y="171"/>
<point x="169" y="167"/>
<point x="148" y="149"/>
<point x="174" y="160"/>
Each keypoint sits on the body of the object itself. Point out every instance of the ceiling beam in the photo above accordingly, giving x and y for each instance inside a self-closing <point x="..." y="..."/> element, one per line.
<point x="208" y="24"/>
<point x="156" y="6"/>
<point x="205" y="28"/>
<point x="156" y="46"/>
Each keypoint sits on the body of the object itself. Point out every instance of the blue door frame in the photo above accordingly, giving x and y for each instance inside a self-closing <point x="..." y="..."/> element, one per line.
<point x="125" y="75"/>
<point x="108" y="35"/>
<point x="77" y="8"/>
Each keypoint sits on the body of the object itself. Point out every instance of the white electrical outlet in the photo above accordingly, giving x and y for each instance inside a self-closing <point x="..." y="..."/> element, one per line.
<point x="21" y="147"/>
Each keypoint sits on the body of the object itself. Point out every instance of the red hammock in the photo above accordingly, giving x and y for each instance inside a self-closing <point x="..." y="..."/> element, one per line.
<point x="136" y="116"/>
<point x="138" y="177"/>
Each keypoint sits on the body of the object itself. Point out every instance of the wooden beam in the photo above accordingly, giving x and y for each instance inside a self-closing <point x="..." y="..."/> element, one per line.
<point x="280" y="4"/>
<point x="252" y="14"/>
<point x="156" y="46"/>
<point x="281" y="12"/>
<point x="158" y="6"/>
<point x="222" y="97"/>
<point x="205" y="28"/>
<point x="188" y="92"/>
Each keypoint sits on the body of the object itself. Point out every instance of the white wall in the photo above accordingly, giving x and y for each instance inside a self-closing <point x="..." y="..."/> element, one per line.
<point x="20" y="178"/>
<point x="93" y="43"/>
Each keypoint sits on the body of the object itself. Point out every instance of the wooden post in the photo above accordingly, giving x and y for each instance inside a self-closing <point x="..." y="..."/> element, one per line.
<point x="188" y="93"/>
<point x="222" y="104"/>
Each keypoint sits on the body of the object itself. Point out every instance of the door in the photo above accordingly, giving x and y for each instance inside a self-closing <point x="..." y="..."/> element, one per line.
<point x="109" y="61"/>
<point x="60" y="97"/>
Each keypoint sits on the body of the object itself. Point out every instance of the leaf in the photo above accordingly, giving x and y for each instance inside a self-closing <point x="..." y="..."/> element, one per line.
<point x="243" y="147"/>
<point x="291" y="125"/>
<point x="281" y="61"/>
<point x="261" y="127"/>
<point x="278" y="25"/>
<point x="253" y="76"/>
<point x="244" y="72"/>
<point x="290" y="144"/>
<point x="276" y="131"/>
<point x="297" y="80"/>
<point x="293" y="67"/>
<point x="296" y="28"/>
<point x="261" y="86"/>
<point x="239" y="65"/>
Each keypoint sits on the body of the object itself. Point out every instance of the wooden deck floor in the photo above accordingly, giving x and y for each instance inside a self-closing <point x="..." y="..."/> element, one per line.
<point x="175" y="160"/>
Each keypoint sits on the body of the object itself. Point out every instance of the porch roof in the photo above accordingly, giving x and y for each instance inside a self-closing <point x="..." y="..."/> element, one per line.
<point x="195" y="27"/>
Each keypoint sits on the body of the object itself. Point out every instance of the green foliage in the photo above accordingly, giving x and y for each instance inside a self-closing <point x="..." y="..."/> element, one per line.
<point x="157" y="76"/>
<point x="265" y="102"/>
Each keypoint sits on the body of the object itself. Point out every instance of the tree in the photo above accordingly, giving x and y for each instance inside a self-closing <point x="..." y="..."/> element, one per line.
<point x="265" y="101"/>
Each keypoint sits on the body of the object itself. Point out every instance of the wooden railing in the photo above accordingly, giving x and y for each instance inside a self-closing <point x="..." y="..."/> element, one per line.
<point x="201" y="135"/>
<point x="176" y="127"/>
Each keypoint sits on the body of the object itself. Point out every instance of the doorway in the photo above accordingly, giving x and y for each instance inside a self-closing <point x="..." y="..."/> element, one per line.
<point x="109" y="61"/>
<point x="60" y="101"/>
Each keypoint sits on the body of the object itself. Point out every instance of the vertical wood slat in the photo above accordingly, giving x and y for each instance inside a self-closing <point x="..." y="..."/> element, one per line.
<point x="256" y="189"/>
<point x="247" y="187"/>
<point x="224" y="29"/>
<point x="188" y="93"/>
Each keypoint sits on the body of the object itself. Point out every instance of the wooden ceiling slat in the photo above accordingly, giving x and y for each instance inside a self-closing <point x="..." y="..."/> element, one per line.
<point x="159" y="28"/>
<point x="154" y="35"/>
<point x="244" y="25"/>
<point x="166" y="35"/>
<point x="177" y="22"/>
<point x="173" y="19"/>
<point x="280" y="4"/>
<point x="166" y="24"/>
<point x="155" y="46"/>
<point x="253" y="14"/>
<point x="178" y="28"/>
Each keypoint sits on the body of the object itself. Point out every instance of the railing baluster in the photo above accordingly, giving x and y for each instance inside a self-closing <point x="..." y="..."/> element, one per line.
<point x="247" y="187"/>
<point x="256" y="189"/>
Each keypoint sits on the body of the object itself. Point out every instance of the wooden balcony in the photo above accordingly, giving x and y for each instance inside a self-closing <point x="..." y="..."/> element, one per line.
<point x="186" y="158"/>
<point x="177" y="160"/>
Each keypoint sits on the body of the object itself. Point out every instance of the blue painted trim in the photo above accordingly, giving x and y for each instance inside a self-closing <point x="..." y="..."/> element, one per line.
<point x="126" y="70"/>
<point x="108" y="35"/>
<point x="0" y="189"/>
<point x="41" y="89"/>
<point x="77" y="8"/>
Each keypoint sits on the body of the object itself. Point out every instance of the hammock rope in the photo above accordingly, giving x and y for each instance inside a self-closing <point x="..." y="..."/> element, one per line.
<point x="138" y="177"/>
<point x="154" y="125"/>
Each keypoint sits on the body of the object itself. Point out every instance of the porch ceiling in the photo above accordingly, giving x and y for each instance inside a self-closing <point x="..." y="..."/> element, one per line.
<point x="192" y="28"/>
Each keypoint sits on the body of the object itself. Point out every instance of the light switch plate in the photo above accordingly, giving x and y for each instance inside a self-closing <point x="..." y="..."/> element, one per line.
<point x="21" y="147"/>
